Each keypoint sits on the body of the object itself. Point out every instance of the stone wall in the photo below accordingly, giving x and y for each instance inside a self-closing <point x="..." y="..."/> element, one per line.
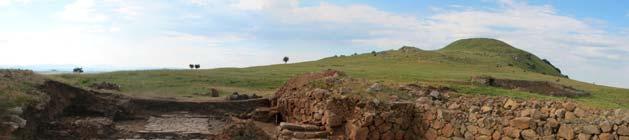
<point x="479" y="117"/>
<point x="343" y="116"/>
<point x="435" y="115"/>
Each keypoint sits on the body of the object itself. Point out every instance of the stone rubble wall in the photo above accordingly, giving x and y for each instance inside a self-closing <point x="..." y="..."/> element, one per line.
<point x="474" y="117"/>
<point x="435" y="115"/>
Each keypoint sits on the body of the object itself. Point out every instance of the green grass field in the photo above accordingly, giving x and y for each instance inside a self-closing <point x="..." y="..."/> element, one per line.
<point x="453" y="66"/>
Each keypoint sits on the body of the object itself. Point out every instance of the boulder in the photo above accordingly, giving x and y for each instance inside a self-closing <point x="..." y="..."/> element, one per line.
<point x="569" y="106"/>
<point x="483" y="137"/>
<point x="431" y="134"/>
<point x="565" y="132"/>
<point x="485" y="131"/>
<point x="560" y="113"/>
<point x="496" y="135"/>
<point x="447" y="130"/>
<point x="580" y="112"/>
<point x="485" y="109"/>
<point x="511" y="104"/>
<point x="606" y="136"/>
<point x="582" y="136"/>
<point x="552" y="123"/>
<point x="570" y="116"/>
<point x="472" y="129"/>
<point x="623" y="131"/>
<point x="454" y="106"/>
<point x="512" y="132"/>
<point x="521" y="122"/>
<point x="591" y="129"/>
<point x="606" y="126"/>
<point x="436" y="95"/>
<point x="529" y="134"/>
<point x="527" y="113"/>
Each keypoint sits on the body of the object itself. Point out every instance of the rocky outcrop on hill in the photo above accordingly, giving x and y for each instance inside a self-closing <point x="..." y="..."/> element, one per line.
<point x="435" y="113"/>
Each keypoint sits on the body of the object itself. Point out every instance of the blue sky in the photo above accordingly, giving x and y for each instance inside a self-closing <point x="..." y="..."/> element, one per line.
<point x="586" y="39"/>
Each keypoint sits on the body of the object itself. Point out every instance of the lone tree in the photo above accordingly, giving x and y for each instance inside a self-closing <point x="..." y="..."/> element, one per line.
<point x="374" y="53"/>
<point x="197" y="66"/>
<point x="285" y="59"/>
<point x="191" y="66"/>
<point x="77" y="70"/>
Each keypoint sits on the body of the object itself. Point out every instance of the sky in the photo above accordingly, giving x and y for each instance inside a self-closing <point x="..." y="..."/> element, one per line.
<point x="588" y="40"/>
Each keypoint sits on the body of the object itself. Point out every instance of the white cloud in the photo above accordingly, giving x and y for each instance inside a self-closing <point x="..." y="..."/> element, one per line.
<point x="199" y="2"/>
<point x="129" y="11"/>
<point x="250" y="4"/>
<point x="79" y="46"/>
<point x="82" y="11"/>
<point x="58" y="46"/>
<point x="10" y="2"/>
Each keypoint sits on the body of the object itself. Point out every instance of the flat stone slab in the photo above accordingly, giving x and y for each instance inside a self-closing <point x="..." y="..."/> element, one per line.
<point x="178" y="125"/>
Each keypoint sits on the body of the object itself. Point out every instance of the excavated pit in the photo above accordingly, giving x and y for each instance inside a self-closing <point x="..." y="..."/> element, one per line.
<point x="75" y="113"/>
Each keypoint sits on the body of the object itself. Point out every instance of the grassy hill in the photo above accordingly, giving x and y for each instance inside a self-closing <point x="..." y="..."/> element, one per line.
<point x="452" y="66"/>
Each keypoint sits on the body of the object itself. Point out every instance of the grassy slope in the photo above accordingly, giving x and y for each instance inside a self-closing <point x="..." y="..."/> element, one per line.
<point x="451" y="66"/>
<point x="18" y="88"/>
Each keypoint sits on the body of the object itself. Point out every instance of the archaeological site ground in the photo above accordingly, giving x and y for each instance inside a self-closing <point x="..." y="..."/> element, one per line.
<point x="471" y="89"/>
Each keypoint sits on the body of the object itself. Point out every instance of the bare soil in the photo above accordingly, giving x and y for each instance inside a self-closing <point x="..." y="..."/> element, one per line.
<point x="75" y="113"/>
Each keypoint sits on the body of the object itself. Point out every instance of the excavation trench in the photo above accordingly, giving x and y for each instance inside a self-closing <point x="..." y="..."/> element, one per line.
<point x="75" y="113"/>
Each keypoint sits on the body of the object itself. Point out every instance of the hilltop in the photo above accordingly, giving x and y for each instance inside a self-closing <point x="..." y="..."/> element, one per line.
<point x="489" y="51"/>
<point x="452" y="66"/>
